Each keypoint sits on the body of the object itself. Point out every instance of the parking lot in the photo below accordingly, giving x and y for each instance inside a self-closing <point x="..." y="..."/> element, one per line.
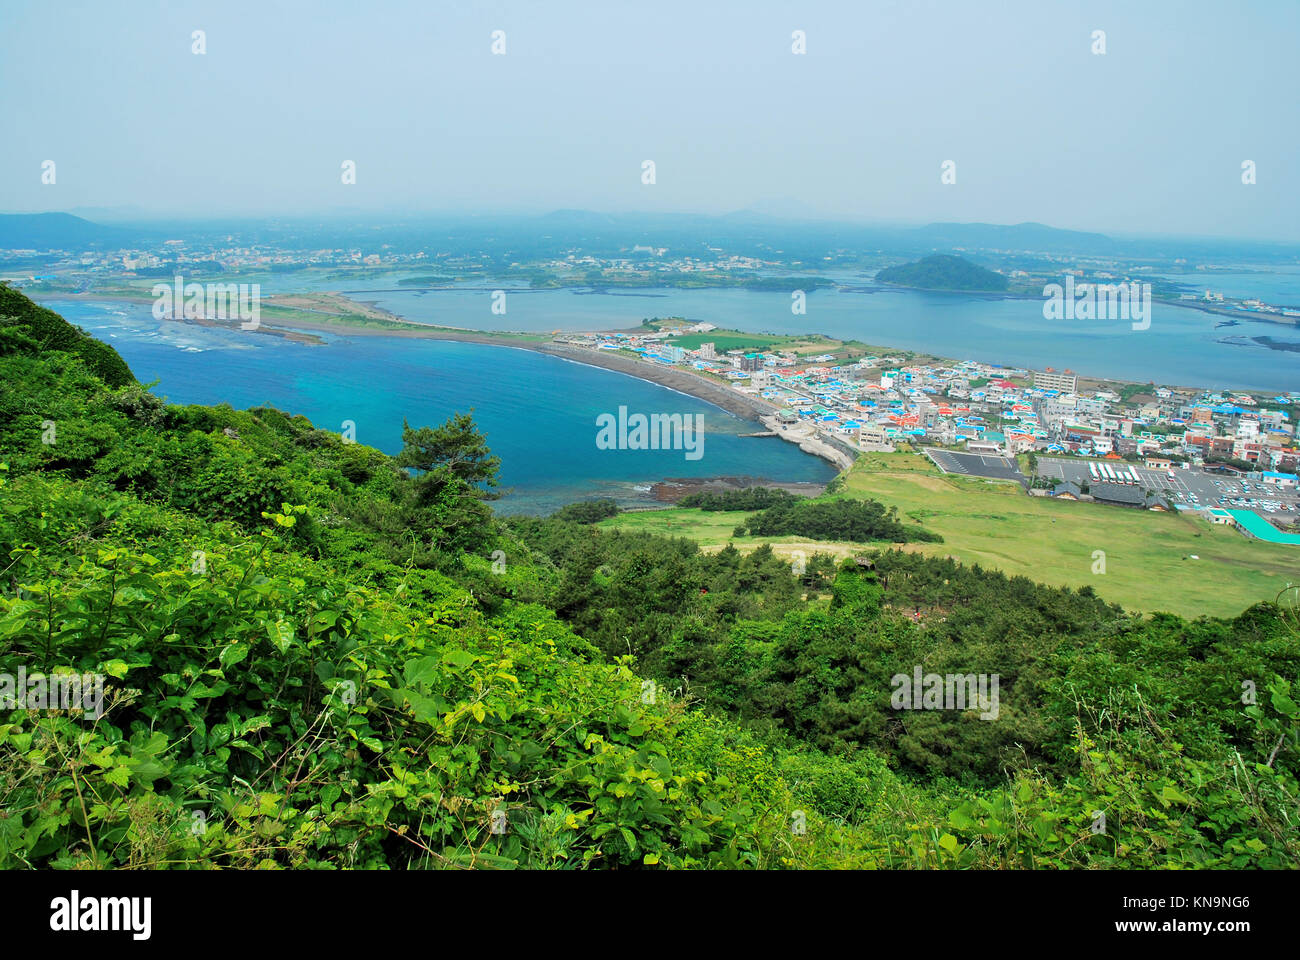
<point x="976" y="465"/>
<point x="1193" y="488"/>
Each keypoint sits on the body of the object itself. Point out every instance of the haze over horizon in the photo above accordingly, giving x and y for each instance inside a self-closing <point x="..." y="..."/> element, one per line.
<point x="1147" y="139"/>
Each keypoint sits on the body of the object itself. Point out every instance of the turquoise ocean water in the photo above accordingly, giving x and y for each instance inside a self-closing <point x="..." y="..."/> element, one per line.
<point x="538" y="412"/>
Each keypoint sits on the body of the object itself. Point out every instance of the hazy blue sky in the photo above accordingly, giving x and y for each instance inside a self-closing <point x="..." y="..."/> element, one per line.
<point x="1148" y="138"/>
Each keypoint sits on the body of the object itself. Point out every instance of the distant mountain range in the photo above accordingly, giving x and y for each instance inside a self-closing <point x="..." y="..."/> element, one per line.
<point x="531" y="236"/>
<point x="798" y="238"/>
<point x="1020" y="236"/>
<point x="43" y="231"/>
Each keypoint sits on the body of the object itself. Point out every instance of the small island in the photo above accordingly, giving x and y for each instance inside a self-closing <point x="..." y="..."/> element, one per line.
<point x="944" y="272"/>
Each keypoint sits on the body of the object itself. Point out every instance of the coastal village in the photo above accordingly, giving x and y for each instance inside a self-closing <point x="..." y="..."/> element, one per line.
<point x="838" y="403"/>
<point x="836" y="407"/>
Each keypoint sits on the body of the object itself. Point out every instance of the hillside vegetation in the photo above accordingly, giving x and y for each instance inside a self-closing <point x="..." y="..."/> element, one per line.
<point x="320" y="656"/>
<point x="1154" y="562"/>
<point x="943" y="272"/>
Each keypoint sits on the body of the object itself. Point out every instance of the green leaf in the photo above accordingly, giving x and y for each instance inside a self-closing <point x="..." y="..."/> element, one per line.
<point x="281" y="633"/>
<point x="1282" y="701"/>
<point x="421" y="672"/>
<point x="458" y="658"/>
<point x="232" y="654"/>
<point x="630" y="837"/>
<point x="1171" y="794"/>
<point x="144" y="763"/>
<point x="424" y="709"/>
<point x="959" y="819"/>
<point x="116" y="668"/>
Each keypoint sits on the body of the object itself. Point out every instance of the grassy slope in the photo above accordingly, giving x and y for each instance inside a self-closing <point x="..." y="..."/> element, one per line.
<point x="996" y="525"/>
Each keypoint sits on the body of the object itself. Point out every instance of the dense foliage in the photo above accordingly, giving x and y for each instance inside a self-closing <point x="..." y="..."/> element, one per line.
<point x="854" y="521"/>
<point x="316" y="655"/>
<point x="23" y="324"/>
<point x="588" y="511"/>
<point x="750" y="498"/>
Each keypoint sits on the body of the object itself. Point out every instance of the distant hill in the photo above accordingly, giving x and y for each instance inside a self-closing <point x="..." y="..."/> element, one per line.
<point x="943" y="272"/>
<point x="42" y="231"/>
<point x="1020" y="236"/>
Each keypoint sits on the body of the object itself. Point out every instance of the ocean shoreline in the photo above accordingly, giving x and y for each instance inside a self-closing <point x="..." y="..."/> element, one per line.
<point x="754" y="409"/>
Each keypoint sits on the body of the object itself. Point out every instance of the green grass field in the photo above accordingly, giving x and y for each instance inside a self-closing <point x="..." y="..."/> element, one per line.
<point x="724" y="340"/>
<point x="1147" y="554"/>
<point x="728" y="341"/>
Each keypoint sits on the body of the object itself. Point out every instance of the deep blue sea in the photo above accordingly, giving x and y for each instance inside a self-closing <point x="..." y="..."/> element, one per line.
<point x="537" y="412"/>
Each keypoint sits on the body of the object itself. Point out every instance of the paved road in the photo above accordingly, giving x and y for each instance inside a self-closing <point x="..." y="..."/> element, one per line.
<point x="975" y="465"/>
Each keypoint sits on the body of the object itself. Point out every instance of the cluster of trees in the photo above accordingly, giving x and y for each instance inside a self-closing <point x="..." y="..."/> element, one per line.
<point x="808" y="649"/>
<point x="855" y="521"/>
<point x="335" y="658"/>
<point x="589" y="511"/>
<point x="750" y="498"/>
<point x="660" y="599"/>
<point x="1244" y="466"/>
